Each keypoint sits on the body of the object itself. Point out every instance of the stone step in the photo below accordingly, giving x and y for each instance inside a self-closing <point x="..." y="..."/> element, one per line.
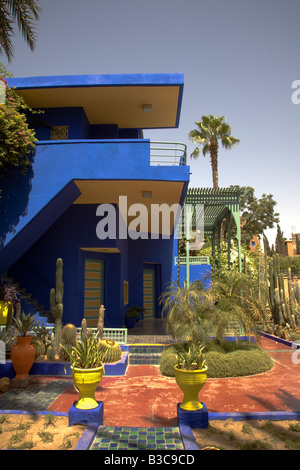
<point x="143" y="359"/>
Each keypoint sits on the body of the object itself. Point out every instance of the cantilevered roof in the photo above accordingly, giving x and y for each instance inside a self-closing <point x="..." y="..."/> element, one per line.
<point x="110" y="99"/>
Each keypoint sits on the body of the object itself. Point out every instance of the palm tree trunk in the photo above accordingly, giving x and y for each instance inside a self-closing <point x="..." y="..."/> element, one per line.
<point x="213" y="149"/>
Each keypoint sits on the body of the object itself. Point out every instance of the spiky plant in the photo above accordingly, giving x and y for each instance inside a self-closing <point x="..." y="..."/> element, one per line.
<point x="25" y="324"/>
<point x="88" y="354"/>
<point x="179" y="310"/>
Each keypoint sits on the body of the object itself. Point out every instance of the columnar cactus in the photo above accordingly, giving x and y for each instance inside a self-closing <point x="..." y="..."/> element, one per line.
<point x="100" y="325"/>
<point x="68" y="340"/>
<point x="56" y="301"/>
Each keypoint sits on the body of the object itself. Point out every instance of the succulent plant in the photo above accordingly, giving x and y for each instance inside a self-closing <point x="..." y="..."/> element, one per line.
<point x="113" y="353"/>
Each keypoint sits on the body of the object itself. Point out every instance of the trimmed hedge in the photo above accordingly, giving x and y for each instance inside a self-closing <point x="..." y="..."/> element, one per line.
<point x="225" y="361"/>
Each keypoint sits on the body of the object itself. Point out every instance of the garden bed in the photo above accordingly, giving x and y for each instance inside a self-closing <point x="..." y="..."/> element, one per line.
<point x="38" y="432"/>
<point x="228" y="359"/>
<point x="249" y="435"/>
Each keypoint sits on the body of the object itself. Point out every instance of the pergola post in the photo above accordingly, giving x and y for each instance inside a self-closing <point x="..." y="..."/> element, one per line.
<point x="229" y="240"/>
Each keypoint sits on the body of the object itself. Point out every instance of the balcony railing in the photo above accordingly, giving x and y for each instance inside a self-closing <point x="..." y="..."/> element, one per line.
<point x="192" y="260"/>
<point x="167" y="154"/>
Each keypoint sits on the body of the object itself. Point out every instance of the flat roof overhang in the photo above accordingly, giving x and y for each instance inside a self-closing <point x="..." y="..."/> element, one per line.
<point x="164" y="195"/>
<point x="109" y="99"/>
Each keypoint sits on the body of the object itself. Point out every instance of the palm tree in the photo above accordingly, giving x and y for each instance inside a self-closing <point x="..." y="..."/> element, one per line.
<point x="210" y="131"/>
<point x="183" y="312"/>
<point x="22" y="12"/>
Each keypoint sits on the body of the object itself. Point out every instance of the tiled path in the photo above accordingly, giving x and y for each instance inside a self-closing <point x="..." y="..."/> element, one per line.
<point x="36" y="397"/>
<point x="134" y="438"/>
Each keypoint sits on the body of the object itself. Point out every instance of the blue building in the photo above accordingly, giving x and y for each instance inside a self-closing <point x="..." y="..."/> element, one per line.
<point x="92" y="172"/>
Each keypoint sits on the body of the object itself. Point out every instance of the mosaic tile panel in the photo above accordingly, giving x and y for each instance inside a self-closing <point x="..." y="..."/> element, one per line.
<point x="37" y="397"/>
<point x="134" y="438"/>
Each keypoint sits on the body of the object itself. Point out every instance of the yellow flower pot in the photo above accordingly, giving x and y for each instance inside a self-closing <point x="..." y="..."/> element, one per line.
<point x="3" y="312"/>
<point x="190" y="382"/>
<point x="85" y="382"/>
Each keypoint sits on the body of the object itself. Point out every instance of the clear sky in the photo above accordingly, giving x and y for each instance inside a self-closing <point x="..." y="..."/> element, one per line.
<point x="239" y="59"/>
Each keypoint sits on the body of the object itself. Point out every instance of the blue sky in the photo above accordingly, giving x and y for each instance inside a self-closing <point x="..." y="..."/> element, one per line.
<point x="239" y="59"/>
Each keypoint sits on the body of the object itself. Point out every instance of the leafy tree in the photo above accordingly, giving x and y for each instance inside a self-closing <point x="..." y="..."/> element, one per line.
<point x="212" y="130"/>
<point x="256" y="214"/>
<point x="23" y="12"/>
<point x="16" y="138"/>
<point x="280" y="247"/>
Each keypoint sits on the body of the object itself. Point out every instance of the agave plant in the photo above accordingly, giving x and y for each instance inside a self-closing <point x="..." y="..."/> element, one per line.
<point x="87" y="354"/>
<point x="25" y="324"/>
<point x="190" y="355"/>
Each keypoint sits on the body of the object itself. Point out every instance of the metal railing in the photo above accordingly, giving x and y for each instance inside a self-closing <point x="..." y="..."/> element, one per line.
<point x="119" y="335"/>
<point x="167" y="154"/>
<point x="193" y="260"/>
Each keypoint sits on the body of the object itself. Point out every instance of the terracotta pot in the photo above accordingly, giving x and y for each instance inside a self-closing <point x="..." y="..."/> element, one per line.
<point x="23" y="356"/>
<point x="190" y="382"/>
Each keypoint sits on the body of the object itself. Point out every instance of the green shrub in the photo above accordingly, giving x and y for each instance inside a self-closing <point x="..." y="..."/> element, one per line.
<point x="168" y="360"/>
<point x="224" y="360"/>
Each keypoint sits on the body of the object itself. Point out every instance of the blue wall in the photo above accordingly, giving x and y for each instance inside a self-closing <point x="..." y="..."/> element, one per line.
<point x="76" y="228"/>
<point x="51" y="189"/>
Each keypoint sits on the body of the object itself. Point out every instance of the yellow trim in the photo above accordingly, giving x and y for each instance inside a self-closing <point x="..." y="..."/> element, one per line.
<point x="116" y="105"/>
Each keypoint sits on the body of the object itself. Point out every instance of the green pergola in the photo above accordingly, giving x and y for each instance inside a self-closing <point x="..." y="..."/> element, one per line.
<point x="218" y="204"/>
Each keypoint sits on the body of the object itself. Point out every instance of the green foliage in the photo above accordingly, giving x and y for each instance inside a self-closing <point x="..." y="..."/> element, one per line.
<point x="250" y="259"/>
<point x="168" y="361"/>
<point x="179" y="307"/>
<point x="17" y="140"/>
<point x="235" y="297"/>
<point x="25" y="324"/>
<point x="237" y="363"/>
<point x="23" y="13"/>
<point x="134" y="311"/>
<point x="227" y="359"/>
<point x="190" y="353"/>
<point x="280" y="247"/>
<point x="88" y="353"/>
<point x="212" y="130"/>
<point x="292" y="262"/>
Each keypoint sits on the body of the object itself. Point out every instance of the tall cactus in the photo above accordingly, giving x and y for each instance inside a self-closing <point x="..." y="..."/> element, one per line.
<point x="100" y="325"/>
<point x="56" y="302"/>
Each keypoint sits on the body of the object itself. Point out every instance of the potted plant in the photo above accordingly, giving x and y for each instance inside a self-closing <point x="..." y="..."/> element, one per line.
<point x="23" y="352"/>
<point x="87" y="369"/>
<point x="9" y="297"/>
<point x="133" y="314"/>
<point x="190" y="373"/>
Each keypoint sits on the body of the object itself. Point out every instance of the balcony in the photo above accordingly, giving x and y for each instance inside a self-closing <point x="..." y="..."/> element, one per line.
<point x="167" y="154"/>
<point x="161" y="153"/>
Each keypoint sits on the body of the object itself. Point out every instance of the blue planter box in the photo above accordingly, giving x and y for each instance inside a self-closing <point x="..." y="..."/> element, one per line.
<point x="56" y="368"/>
